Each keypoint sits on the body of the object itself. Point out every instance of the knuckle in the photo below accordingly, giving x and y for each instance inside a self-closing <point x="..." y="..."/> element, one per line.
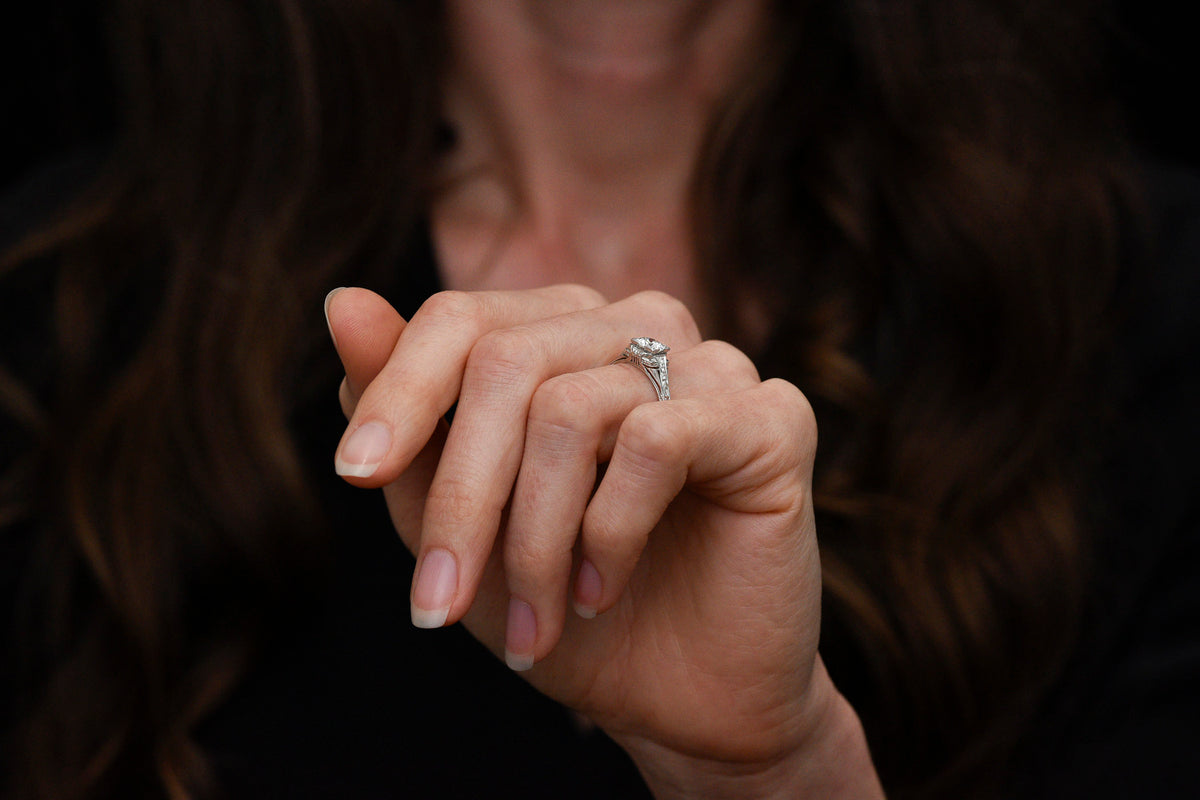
<point x="654" y="435"/>
<point x="451" y="307"/>
<point x="583" y="296"/>
<point x="730" y="361"/>
<point x="791" y="401"/>
<point x="567" y="403"/>
<point x="503" y="355"/>
<point x="506" y="346"/>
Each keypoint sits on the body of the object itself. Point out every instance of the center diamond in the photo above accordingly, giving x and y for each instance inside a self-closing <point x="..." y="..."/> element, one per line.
<point x="649" y="347"/>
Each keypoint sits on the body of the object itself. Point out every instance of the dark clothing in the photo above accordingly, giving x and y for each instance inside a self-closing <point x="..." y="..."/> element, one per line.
<point x="352" y="701"/>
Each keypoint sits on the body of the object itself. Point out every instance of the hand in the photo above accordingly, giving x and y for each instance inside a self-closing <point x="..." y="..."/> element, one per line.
<point x="692" y="565"/>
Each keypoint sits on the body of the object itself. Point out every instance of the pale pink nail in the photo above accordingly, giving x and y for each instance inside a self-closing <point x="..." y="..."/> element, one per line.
<point x="364" y="451"/>
<point x="434" y="589"/>
<point x="588" y="590"/>
<point x="329" y="297"/>
<point x="521" y="635"/>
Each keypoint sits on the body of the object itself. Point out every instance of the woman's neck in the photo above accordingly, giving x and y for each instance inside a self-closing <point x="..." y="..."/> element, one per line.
<point x="579" y="125"/>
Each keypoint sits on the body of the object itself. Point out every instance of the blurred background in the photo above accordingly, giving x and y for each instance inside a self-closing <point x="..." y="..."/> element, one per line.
<point x="54" y="95"/>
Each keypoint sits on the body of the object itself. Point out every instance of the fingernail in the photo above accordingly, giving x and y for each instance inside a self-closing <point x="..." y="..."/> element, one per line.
<point x="434" y="588"/>
<point x="587" y="590"/>
<point x="329" y="297"/>
<point x="363" y="452"/>
<point x="521" y="635"/>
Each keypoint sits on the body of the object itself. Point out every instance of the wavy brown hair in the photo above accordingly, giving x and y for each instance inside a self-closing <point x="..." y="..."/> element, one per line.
<point x="933" y="199"/>
<point x="922" y="194"/>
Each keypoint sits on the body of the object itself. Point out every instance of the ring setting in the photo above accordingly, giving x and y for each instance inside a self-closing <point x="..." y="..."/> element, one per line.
<point x="649" y="355"/>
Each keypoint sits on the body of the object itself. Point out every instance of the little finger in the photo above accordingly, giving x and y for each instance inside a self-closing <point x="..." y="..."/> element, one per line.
<point x="748" y="452"/>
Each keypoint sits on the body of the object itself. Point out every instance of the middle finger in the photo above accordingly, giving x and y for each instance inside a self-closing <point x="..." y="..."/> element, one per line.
<point x="484" y="447"/>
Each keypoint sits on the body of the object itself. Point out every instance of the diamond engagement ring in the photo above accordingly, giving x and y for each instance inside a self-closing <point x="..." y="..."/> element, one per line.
<point x="650" y="355"/>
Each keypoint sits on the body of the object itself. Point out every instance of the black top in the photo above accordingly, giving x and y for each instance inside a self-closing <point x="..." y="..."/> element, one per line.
<point x="352" y="701"/>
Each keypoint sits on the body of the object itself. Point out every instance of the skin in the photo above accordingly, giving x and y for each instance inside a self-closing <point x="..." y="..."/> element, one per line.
<point x="653" y="565"/>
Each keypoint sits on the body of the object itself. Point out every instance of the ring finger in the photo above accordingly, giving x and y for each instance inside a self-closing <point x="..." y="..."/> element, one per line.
<point x="572" y="426"/>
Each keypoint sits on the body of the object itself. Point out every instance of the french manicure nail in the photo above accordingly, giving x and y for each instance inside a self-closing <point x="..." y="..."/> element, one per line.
<point x="587" y="590"/>
<point x="521" y="635"/>
<point x="434" y="589"/>
<point x="363" y="452"/>
<point x="329" y="297"/>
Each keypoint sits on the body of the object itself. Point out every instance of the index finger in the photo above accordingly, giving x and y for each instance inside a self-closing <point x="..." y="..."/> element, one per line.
<point x="400" y="408"/>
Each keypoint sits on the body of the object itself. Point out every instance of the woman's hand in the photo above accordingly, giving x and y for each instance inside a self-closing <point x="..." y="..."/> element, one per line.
<point x="691" y="565"/>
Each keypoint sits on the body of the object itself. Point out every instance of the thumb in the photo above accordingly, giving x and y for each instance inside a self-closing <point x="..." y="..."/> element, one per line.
<point x="365" y="329"/>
